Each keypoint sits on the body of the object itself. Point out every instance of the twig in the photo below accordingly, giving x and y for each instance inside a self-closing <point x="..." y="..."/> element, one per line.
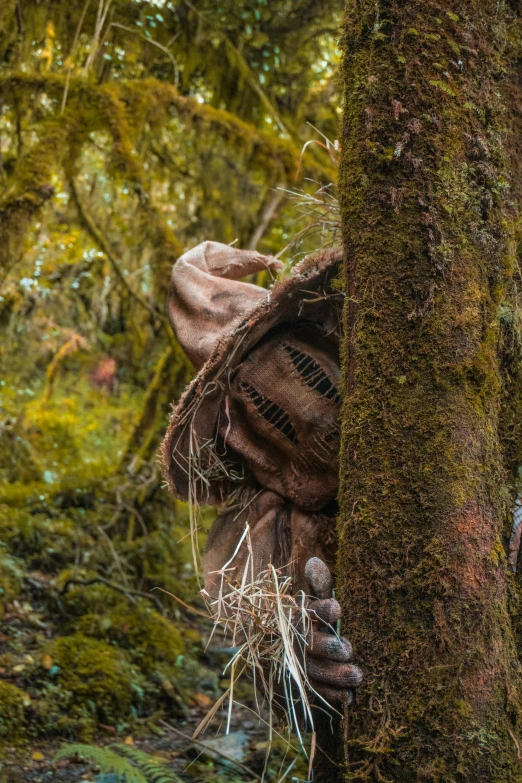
<point x="115" y="555"/>
<point x="154" y="43"/>
<point x="65" y="330"/>
<point x="73" y="344"/>
<point x="19" y="20"/>
<point x="519" y="756"/>
<point x="127" y="591"/>
<point x="268" y="215"/>
<point x="100" y="21"/>
<point x="187" y="606"/>
<point x="72" y="53"/>
<point x="211" y="749"/>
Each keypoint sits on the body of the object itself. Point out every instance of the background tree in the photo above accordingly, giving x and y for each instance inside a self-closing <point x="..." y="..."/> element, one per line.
<point x="429" y="200"/>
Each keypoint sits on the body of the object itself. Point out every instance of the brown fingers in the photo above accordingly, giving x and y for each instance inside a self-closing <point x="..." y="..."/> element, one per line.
<point x="319" y="578"/>
<point x="333" y="674"/>
<point x="326" y="645"/>
<point x="327" y="657"/>
<point x="327" y="610"/>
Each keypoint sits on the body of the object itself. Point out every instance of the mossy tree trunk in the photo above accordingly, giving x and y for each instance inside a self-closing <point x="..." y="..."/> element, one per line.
<point x="428" y="221"/>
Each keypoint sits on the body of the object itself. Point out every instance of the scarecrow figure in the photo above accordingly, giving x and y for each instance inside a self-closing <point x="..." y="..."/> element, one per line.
<point x="257" y="431"/>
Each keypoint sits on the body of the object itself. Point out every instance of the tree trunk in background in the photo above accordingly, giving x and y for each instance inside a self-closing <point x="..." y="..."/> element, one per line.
<point x="428" y="224"/>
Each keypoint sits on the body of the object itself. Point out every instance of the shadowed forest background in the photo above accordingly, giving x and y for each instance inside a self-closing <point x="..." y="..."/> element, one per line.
<point x="129" y="132"/>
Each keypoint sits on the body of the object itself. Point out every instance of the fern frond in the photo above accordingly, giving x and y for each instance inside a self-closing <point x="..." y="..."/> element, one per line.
<point x="107" y="761"/>
<point x="154" y="770"/>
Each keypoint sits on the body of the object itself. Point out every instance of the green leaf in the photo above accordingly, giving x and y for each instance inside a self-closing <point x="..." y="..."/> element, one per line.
<point x="104" y="758"/>
<point x="155" y="771"/>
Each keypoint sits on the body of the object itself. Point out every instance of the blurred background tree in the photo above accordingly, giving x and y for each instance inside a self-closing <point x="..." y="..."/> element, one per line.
<point x="129" y="131"/>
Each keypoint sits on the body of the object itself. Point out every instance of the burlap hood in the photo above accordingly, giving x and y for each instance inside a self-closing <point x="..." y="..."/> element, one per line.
<point x="197" y="462"/>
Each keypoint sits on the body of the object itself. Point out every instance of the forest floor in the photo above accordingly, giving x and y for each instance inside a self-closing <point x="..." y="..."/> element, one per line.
<point x="246" y="743"/>
<point x="235" y="757"/>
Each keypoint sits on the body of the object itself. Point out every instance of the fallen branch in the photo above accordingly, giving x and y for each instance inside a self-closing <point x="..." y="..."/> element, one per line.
<point x="127" y="591"/>
<point x="268" y="214"/>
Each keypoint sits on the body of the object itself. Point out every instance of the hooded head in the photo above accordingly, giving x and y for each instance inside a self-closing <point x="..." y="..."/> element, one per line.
<point x="265" y="402"/>
<point x="206" y="295"/>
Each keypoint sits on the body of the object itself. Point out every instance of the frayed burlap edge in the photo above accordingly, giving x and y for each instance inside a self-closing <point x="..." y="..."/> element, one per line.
<point x="190" y="439"/>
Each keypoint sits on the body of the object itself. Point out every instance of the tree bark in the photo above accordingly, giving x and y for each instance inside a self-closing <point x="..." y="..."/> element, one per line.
<point x="428" y="221"/>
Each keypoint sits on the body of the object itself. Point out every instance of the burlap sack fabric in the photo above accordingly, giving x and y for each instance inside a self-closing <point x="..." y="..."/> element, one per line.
<point x="258" y="428"/>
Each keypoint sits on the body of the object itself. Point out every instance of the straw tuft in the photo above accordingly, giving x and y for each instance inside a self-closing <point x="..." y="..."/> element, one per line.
<point x="269" y="627"/>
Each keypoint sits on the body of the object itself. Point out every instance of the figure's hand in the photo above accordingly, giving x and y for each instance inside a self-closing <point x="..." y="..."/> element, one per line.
<point x="328" y="656"/>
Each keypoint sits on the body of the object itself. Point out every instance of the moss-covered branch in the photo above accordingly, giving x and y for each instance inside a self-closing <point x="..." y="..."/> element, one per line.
<point x="121" y="109"/>
<point x="153" y="100"/>
<point x="168" y="380"/>
<point x="32" y="190"/>
<point x="124" y="590"/>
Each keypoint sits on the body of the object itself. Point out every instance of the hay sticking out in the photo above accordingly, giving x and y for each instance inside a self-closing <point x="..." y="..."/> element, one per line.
<point x="321" y="211"/>
<point x="270" y="629"/>
<point x="321" y="208"/>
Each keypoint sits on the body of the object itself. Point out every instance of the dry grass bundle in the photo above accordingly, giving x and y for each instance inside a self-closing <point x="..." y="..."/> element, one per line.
<point x="321" y="211"/>
<point x="270" y="629"/>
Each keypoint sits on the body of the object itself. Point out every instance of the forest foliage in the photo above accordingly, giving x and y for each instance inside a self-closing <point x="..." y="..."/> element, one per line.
<point x="129" y="131"/>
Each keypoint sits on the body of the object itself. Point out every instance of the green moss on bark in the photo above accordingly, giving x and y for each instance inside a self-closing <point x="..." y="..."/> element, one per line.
<point x="429" y="252"/>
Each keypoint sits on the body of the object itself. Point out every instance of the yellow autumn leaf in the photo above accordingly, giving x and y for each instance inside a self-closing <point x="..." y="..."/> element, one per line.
<point x="202" y="700"/>
<point x="47" y="661"/>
